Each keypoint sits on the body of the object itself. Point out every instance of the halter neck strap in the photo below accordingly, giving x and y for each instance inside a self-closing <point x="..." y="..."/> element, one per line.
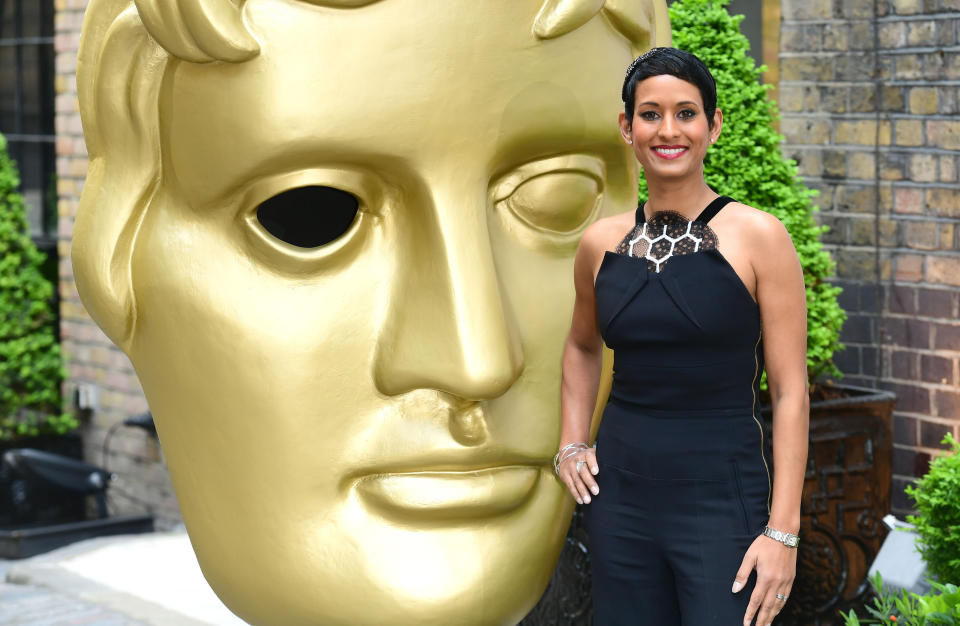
<point x="713" y="208"/>
<point x="705" y="216"/>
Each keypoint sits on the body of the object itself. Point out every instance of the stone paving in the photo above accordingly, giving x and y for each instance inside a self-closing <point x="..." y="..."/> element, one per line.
<point x="35" y="606"/>
<point x="138" y="580"/>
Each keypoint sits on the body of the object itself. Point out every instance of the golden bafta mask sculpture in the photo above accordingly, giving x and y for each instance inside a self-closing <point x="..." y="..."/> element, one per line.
<point x="336" y="239"/>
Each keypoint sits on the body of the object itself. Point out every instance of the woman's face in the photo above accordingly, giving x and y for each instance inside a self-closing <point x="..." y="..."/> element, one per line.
<point x="669" y="130"/>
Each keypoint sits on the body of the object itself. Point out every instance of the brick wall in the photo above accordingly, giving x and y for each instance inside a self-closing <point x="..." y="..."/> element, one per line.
<point x="92" y="359"/>
<point x="869" y="96"/>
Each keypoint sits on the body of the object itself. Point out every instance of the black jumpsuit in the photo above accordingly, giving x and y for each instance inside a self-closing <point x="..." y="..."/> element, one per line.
<point x="684" y="482"/>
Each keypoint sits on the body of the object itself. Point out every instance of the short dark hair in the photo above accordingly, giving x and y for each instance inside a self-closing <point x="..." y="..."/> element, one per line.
<point x="675" y="62"/>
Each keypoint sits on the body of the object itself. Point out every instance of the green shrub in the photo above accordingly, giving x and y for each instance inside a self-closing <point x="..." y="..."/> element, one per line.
<point x="30" y="365"/>
<point x="940" y="607"/>
<point x="746" y="163"/>
<point x="937" y="497"/>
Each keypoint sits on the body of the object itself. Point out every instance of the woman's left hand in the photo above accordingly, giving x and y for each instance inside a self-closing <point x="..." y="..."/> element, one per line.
<point x="776" y="566"/>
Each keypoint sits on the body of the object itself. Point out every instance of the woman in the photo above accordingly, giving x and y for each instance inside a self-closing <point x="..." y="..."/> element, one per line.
<point x="678" y="485"/>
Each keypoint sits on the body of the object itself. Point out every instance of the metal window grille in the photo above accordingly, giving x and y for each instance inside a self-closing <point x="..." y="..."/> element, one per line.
<point x="27" y="109"/>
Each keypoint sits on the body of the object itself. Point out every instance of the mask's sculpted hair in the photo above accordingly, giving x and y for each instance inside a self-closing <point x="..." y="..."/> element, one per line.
<point x="125" y="49"/>
<point x="202" y="31"/>
<point x="209" y="30"/>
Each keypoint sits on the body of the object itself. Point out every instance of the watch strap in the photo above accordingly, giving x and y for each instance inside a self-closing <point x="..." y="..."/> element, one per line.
<point x="788" y="539"/>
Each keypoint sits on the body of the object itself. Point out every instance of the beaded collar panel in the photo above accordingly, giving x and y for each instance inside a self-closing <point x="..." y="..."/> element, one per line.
<point x="665" y="235"/>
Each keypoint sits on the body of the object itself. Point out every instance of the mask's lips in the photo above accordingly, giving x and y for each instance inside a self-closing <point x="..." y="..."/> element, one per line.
<point x="449" y="494"/>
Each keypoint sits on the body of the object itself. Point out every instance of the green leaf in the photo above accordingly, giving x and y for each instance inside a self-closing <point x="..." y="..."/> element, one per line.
<point x="31" y="366"/>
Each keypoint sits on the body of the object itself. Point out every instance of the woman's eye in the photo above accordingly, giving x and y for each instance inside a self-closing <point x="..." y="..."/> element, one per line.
<point x="687" y="114"/>
<point x="308" y="217"/>
<point x="559" y="202"/>
<point x="648" y="115"/>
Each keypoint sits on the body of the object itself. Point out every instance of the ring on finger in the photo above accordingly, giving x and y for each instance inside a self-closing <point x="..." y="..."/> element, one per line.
<point x="579" y="465"/>
<point x="780" y="596"/>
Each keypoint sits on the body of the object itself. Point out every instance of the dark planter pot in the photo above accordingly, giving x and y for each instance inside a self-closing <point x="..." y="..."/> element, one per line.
<point x="846" y="493"/>
<point x="20" y="505"/>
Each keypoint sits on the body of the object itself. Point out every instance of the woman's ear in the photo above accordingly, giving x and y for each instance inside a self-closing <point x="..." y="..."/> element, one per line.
<point x="717" y="125"/>
<point x="625" y="127"/>
<point x="119" y="69"/>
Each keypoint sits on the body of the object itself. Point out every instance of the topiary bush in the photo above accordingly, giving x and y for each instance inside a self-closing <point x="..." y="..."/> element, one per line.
<point x="31" y="368"/>
<point x="747" y="164"/>
<point x="937" y="498"/>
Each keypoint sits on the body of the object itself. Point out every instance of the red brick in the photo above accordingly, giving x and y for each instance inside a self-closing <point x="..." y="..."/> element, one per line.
<point x="871" y="296"/>
<point x="906" y="332"/>
<point x="910" y="462"/>
<point x="901" y="299"/>
<point x="936" y="303"/>
<point x="903" y="365"/>
<point x="909" y="267"/>
<point x="905" y="430"/>
<point x="848" y="359"/>
<point x="946" y="337"/>
<point x="944" y="134"/>
<point x="908" y="200"/>
<point x="910" y="398"/>
<point x="936" y="369"/>
<point x="943" y="269"/>
<point x="931" y="433"/>
<point x="869" y="360"/>
<point x="948" y="405"/>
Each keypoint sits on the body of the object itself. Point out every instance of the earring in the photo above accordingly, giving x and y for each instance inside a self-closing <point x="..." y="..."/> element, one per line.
<point x="630" y="141"/>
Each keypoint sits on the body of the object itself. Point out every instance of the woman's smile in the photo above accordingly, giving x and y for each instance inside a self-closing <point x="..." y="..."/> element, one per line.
<point x="670" y="152"/>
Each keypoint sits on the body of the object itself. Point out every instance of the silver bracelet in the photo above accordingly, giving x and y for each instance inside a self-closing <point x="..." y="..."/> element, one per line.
<point x="567" y="451"/>
<point x="788" y="539"/>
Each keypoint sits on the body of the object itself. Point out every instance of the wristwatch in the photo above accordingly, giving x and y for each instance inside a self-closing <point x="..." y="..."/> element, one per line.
<point x="788" y="539"/>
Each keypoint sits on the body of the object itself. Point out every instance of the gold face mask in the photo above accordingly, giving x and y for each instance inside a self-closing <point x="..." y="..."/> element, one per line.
<point x="336" y="240"/>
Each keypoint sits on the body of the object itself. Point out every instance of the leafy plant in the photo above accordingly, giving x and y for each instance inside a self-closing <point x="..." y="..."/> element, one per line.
<point x="940" y="607"/>
<point x="937" y="497"/>
<point x="31" y="368"/>
<point x="746" y="163"/>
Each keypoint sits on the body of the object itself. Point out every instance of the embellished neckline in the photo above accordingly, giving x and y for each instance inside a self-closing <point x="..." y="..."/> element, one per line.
<point x="665" y="235"/>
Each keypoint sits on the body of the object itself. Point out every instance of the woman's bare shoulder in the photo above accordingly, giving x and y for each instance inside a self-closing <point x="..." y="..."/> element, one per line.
<point x="756" y="222"/>
<point x="606" y="232"/>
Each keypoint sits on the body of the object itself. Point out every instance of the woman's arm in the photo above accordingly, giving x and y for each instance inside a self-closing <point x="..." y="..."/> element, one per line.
<point x="783" y="313"/>
<point x="582" y="355"/>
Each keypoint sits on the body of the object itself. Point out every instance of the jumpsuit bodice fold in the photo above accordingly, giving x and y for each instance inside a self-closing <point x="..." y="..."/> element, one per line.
<point x="691" y="326"/>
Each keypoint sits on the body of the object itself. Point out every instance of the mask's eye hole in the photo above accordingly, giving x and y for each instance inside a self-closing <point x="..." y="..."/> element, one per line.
<point x="308" y="217"/>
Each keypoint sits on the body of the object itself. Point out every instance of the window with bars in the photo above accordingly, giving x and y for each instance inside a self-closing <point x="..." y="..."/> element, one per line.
<point x="27" y="109"/>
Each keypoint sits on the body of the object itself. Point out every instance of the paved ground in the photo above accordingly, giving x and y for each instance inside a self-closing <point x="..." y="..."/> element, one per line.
<point x="136" y="580"/>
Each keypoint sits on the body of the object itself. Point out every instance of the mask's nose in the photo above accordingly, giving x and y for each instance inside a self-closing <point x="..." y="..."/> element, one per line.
<point x="447" y="327"/>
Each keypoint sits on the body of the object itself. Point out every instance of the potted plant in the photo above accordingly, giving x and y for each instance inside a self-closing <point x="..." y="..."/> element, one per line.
<point x="936" y="534"/>
<point x="31" y="369"/>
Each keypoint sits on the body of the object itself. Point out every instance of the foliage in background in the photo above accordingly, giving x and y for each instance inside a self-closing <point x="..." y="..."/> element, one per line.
<point x="747" y="164"/>
<point x="940" y="607"/>
<point x="937" y="497"/>
<point x="31" y="368"/>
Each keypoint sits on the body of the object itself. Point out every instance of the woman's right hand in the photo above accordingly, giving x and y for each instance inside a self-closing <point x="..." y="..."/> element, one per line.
<point x="581" y="484"/>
